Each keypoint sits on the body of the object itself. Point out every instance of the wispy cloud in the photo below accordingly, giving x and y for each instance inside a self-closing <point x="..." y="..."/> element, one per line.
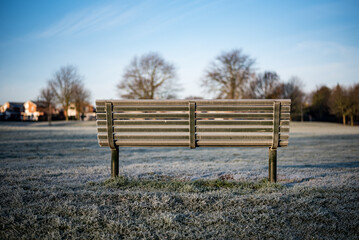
<point x="91" y="20"/>
<point x="147" y="17"/>
<point x="173" y="14"/>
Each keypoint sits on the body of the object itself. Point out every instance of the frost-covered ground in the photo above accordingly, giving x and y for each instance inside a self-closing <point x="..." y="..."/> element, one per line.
<point x="53" y="185"/>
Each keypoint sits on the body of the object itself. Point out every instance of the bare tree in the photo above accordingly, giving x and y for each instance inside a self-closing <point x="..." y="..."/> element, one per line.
<point x="149" y="77"/>
<point x="81" y="98"/>
<point x="339" y="102"/>
<point x="62" y="84"/>
<point x="293" y="90"/>
<point x="265" y="86"/>
<point x="319" y="107"/>
<point x="228" y="75"/>
<point x="353" y="94"/>
<point x="47" y="96"/>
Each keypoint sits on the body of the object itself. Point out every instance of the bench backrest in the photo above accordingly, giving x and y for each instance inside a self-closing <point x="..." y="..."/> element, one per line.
<point x="193" y="123"/>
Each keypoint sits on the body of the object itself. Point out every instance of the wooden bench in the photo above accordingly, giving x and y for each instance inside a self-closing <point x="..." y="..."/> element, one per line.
<point x="193" y="123"/>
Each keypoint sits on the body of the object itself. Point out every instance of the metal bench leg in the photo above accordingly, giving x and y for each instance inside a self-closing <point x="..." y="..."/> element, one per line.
<point x="114" y="162"/>
<point x="272" y="165"/>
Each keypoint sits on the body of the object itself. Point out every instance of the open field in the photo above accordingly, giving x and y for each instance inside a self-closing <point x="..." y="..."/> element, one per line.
<point x="55" y="184"/>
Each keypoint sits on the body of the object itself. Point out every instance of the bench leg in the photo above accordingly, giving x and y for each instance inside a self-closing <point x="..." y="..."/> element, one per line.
<point x="272" y="165"/>
<point x="114" y="162"/>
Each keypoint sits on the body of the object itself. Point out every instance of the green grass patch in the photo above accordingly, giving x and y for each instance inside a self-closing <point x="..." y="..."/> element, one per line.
<point x="197" y="186"/>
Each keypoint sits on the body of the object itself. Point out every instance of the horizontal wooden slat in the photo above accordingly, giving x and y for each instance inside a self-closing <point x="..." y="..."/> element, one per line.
<point x="283" y="129"/>
<point x="199" y="122"/>
<point x="233" y="129"/>
<point x="149" y="143"/>
<point x="234" y="108"/>
<point x="240" y="115"/>
<point x="234" y="122"/>
<point x="236" y="137"/>
<point x="198" y="102"/>
<point x="145" y="129"/>
<point x="284" y="122"/>
<point x="198" y="137"/>
<point x="119" y="137"/>
<point x="234" y="115"/>
<point x="143" y="108"/>
<point x="208" y="143"/>
<point x="244" y="143"/>
<point x="142" y="102"/>
<point x="102" y="116"/>
<point x="150" y="115"/>
<point x="144" y="122"/>
<point x="284" y="109"/>
<point x="185" y="144"/>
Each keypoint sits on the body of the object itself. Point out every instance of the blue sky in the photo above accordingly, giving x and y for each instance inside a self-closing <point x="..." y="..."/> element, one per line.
<point x="317" y="41"/>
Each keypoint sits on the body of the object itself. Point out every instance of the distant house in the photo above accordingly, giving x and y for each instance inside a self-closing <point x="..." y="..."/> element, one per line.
<point x="88" y="112"/>
<point x="72" y="112"/>
<point x="38" y="111"/>
<point x="12" y="110"/>
<point x="33" y="110"/>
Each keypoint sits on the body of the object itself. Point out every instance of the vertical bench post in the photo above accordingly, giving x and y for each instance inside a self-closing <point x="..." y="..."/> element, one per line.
<point x="192" y="124"/>
<point x="273" y="149"/>
<point x="111" y="142"/>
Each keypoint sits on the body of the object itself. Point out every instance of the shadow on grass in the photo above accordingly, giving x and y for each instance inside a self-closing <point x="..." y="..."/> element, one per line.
<point x="168" y="184"/>
<point x="325" y="165"/>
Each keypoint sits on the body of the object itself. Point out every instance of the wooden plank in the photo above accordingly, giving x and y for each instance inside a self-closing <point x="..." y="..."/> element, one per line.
<point x="109" y="128"/>
<point x="142" y="102"/>
<point x="268" y="102"/>
<point x="283" y="143"/>
<point x="102" y="116"/>
<point x="198" y="102"/>
<point x="103" y="144"/>
<point x="234" y="122"/>
<point x="234" y="137"/>
<point x="283" y="116"/>
<point x="283" y="137"/>
<point x="234" y="108"/>
<point x="144" y="122"/>
<point x="208" y="143"/>
<point x="284" y="122"/>
<point x="276" y="120"/>
<point x="283" y="129"/>
<point x="128" y="137"/>
<point x="145" y="129"/>
<point x="100" y="109"/>
<point x="192" y="124"/>
<point x="151" y="143"/>
<point x="232" y="129"/>
<point x="285" y="109"/>
<point x="185" y="144"/>
<point x="198" y="137"/>
<point x="150" y="115"/>
<point x="234" y="115"/>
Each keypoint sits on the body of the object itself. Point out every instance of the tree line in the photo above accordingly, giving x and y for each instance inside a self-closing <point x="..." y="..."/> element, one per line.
<point x="231" y="75"/>
<point x="340" y="103"/>
<point x="65" y="87"/>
